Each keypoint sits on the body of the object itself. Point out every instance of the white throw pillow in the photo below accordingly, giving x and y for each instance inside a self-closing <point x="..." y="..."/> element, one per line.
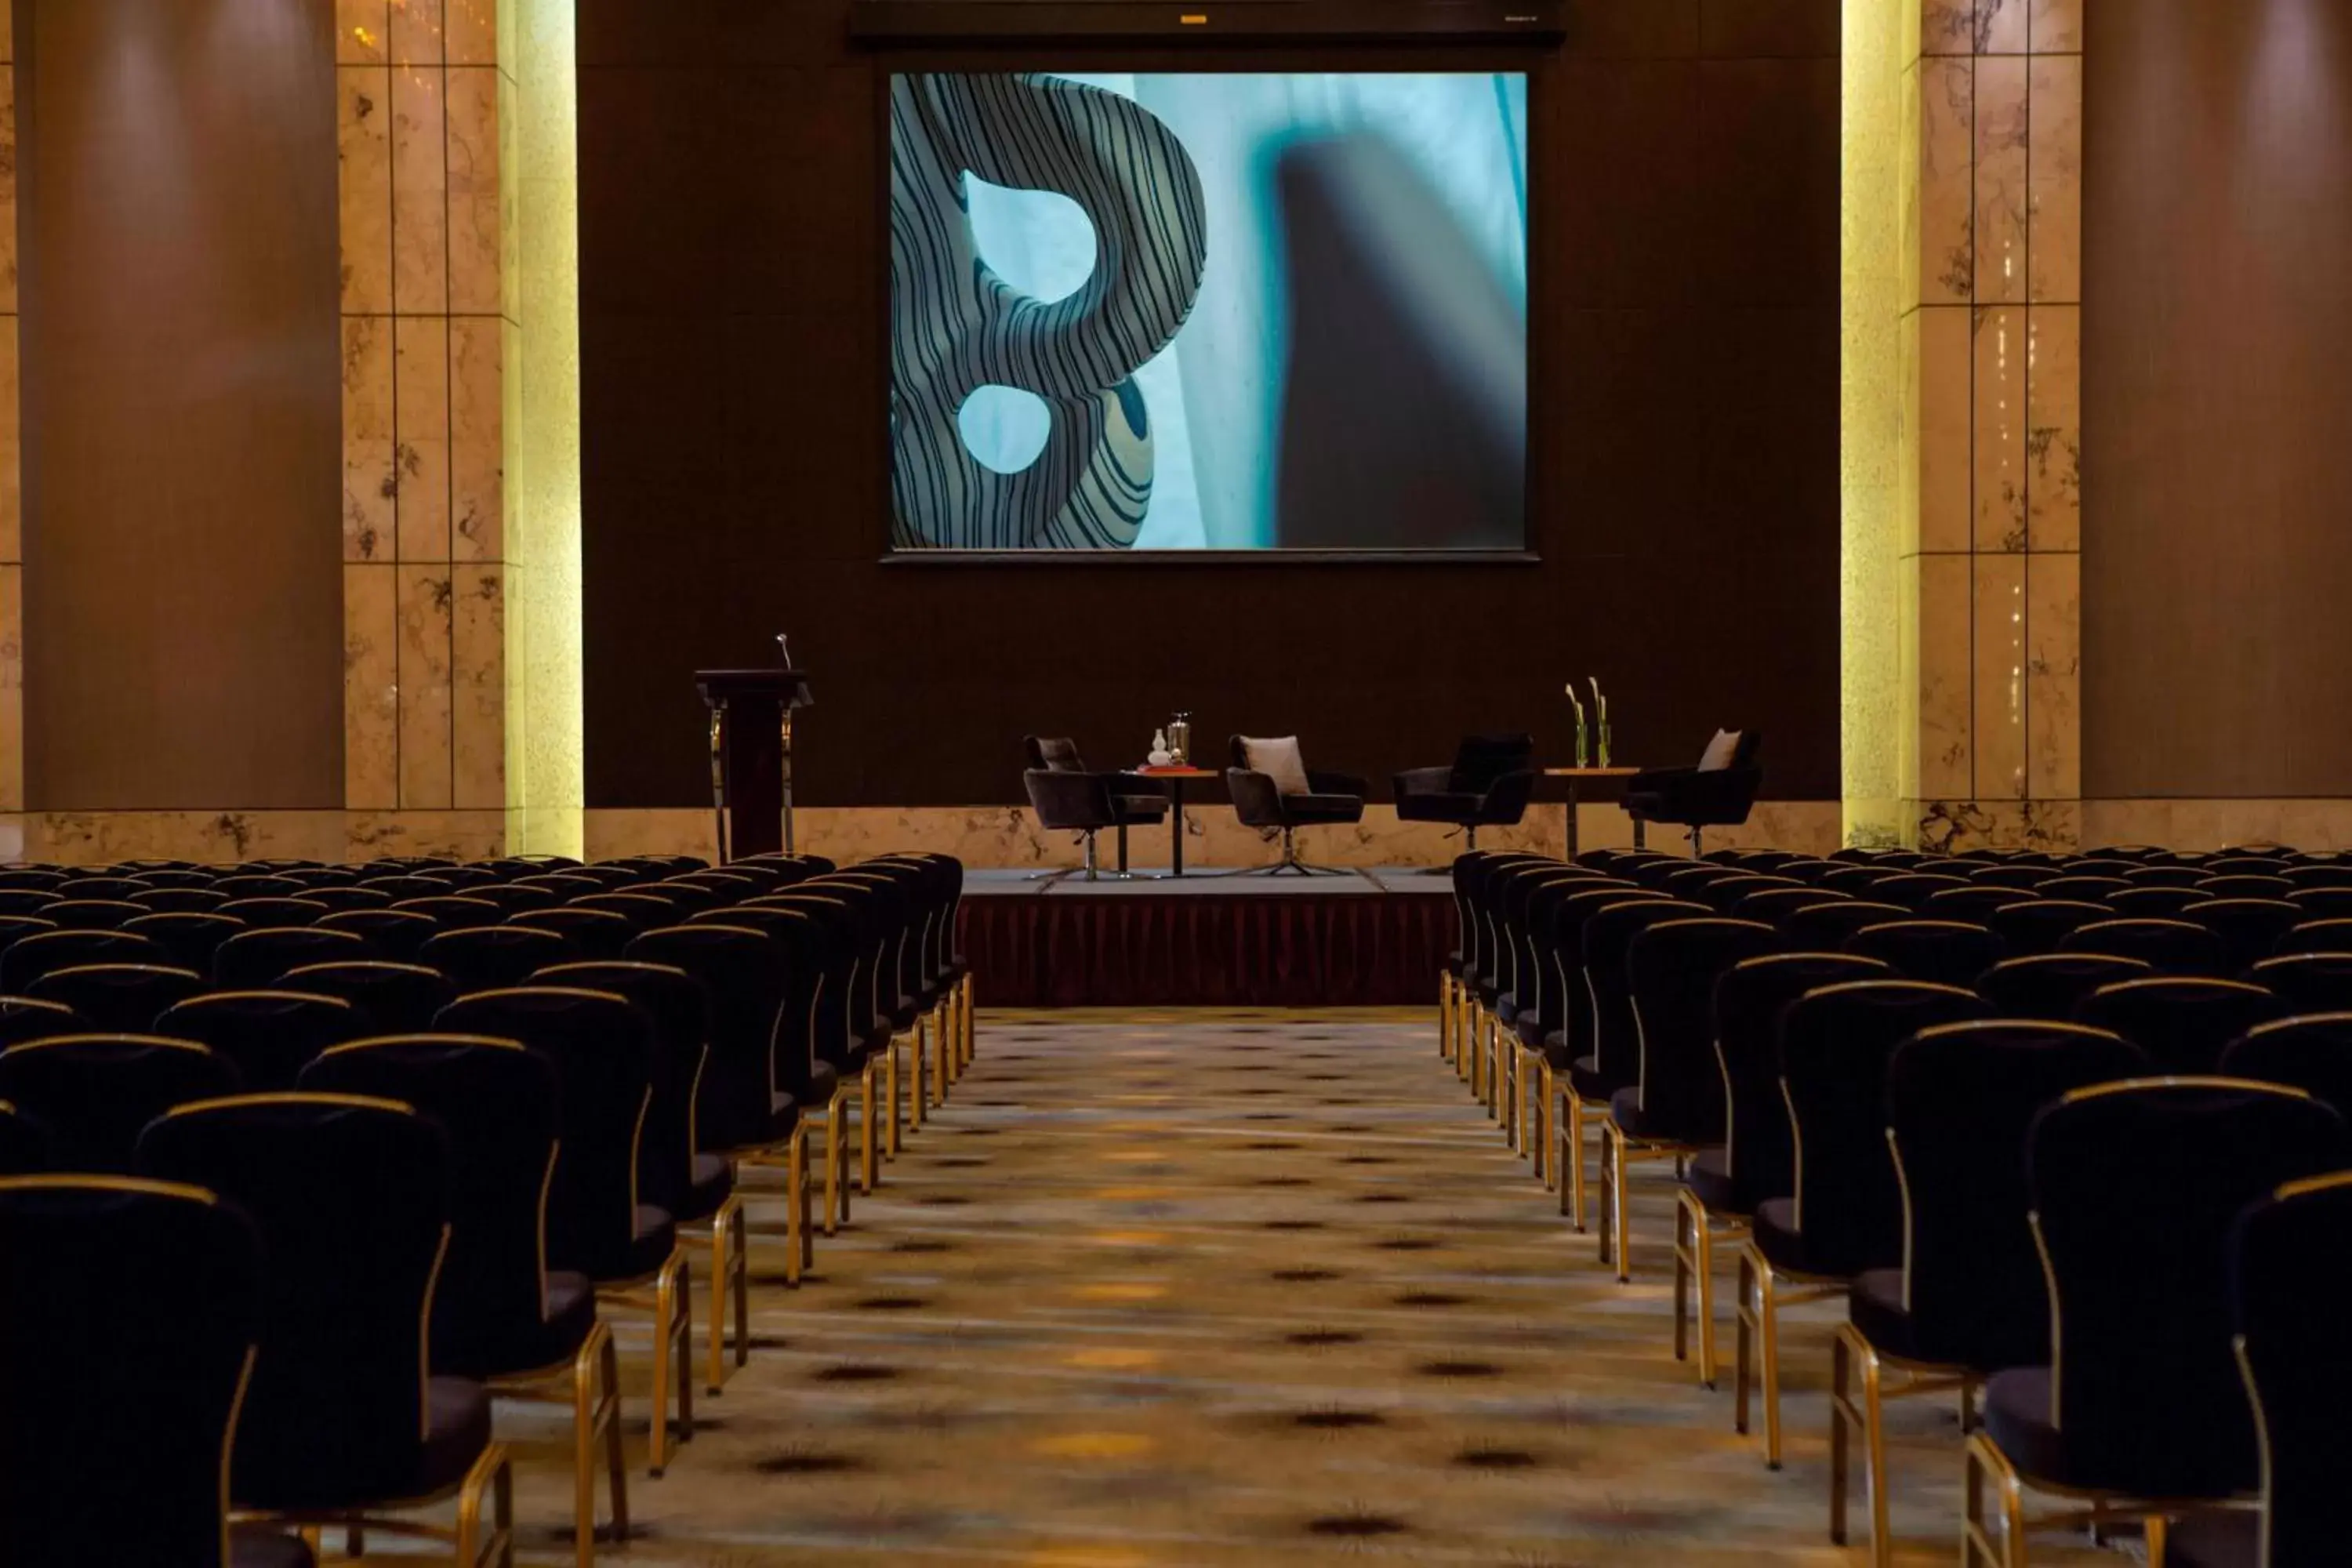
<point x="1279" y="760"/>
<point x="1719" y="751"/>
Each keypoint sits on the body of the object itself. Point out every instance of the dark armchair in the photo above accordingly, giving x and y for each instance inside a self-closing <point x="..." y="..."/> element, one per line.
<point x="1271" y="788"/>
<point x="1718" y="793"/>
<point x="1488" y="786"/>
<point x="1069" y="797"/>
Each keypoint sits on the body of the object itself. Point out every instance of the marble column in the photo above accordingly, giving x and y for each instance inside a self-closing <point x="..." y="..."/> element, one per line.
<point x="426" y="323"/>
<point x="1987" y="506"/>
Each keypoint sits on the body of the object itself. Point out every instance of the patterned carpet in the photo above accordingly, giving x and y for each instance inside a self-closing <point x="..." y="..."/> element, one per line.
<point x="1166" y="1290"/>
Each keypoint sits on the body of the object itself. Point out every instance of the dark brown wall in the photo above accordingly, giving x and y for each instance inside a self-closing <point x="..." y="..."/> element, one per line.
<point x="2217" y="386"/>
<point x="733" y="248"/>
<point x="182" y="477"/>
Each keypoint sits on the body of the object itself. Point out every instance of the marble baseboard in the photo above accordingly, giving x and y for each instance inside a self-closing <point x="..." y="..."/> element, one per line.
<point x="98" y="837"/>
<point x="1008" y="837"/>
<point x="2307" y="824"/>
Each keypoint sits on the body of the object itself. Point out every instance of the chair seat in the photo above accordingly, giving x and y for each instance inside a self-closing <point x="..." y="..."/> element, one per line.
<point x="2218" y="1540"/>
<point x="656" y="1238"/>
<point x="1507" y="1009"/>
<point x="1776" y="1237"/>
<point x="2016" y="1417"/>
<point x="1585" y="1079"/>
<point x="250" y="1546"/>
<point x="489" y="1351"/>
<point x="712" y="1184"/>
<point x="1531" y="1031"/>
<point x="1304" y="810"/>
<point x="1439" y="805"/>
<point x="458" y="1411"/>
<point x="1876" y="1308"/>
<point x="1554" y="1050"/>
<point x="1710" y="1181"/>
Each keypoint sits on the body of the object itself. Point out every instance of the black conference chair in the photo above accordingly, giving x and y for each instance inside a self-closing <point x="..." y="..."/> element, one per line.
<point x="351" y="1197"/>
<point x="1967" y="1299"/>
<point x="391" y="998"/>
<point x="1489" y="786"/>
<point x="1719" y="792"/>
<point x="2028" y="930"/>
<point x="147" y="1298"/>
<point x="179" y="900"/>
<point x="500" y="1316"/>
<point x="2051" y="986"/>
<point x="1675" y="1106"/>
<point x="252" y="959"/>
<point x="674" y="1172"/>
<point x="117" y="998"/>
<point x="452" y="912"/>
<point x="488" y="958"/>
<point x="91" y="914"/>
<point x="23" y="1018"/>
<point x="1946" y="953"/>
<point x="2306" y="982"/>
<point x="591" y="934"/>
<point x="602" y="1046"/>
<point x="1288" y="799"/>
<point x="1823" y="927"/>
<point x="1844" y="1213"/>
<point x="1070" y="797"/>
<point x="2182" y="1022"/>
<point x="2249" y="929"/>
<point x="95" y="1092"/>
<point x="2135" y="1186"/>
<point x="270" y="1034"/>
<point x="191" y="937"/>
<point x="2288" y="1273"/>
<point x="2161" y="903"/>
<point x="2175" y="947"/>
<point x="274" y="911"/>
<point x="339" y="896"/>
<point x="395" y="934"/>
<point x="2311" y="1052"/>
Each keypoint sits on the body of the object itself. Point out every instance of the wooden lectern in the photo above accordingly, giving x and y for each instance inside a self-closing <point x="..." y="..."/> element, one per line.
<point x="751" y="756"/>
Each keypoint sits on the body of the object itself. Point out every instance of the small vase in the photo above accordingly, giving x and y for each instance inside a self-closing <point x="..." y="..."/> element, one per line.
<point x="1584" y="752"/>
<point x="1604" y="745"/>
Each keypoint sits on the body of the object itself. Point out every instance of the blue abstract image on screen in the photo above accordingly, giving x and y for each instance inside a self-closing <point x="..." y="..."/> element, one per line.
<point x="1209" y="311"/>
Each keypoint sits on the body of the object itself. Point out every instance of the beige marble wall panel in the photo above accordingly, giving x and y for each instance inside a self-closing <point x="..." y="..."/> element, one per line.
<point x="2053" y="619"/>
<point x="425" y="691"/>
<point x="471" y="31"/>
<point x="476" y="437"/>
<point x="1949" y="826"/>
<point x="1998" y="433"/>
<point x="1947" y="350"/>
<point x="370" y="687"/>
<point x="363" y="185"/>
<point x="7" y="182"/>
<point x="1999" y="680"/>
<point x="416" y="32"/>
<point x="2002" y="26"/>
<point x="478" y="687"/>
<point x="2054" y="427"/>
<point x="362" y="30"/>
<point x="461" y="835"/>
<point x="2003" y="124"/>
<point x="2056" y="26"/>
<point x="420" y="208"/>
<point x="1946" y="26"/>
<point x="473" y="188"/>
<point x="420" y="354"/>
<point x="1946" y="712"/>
<point x="103" y="838"/>
<point x="371" y="464"/>
<point x="2054" y="240"/>
<point x="1946" y="228"/>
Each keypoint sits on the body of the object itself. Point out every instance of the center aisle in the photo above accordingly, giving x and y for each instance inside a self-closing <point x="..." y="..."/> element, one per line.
<point x="1242" y="1292"/>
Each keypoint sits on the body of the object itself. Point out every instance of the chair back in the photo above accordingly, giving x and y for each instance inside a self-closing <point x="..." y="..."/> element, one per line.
<point x="454" y="911"/>
<point x="590" y="933"/>
<point x="2013" y="875"/>
<point x="1945" y="952"/>
<point x="2133" y="1188"/>
<point x="1976" y="904"/>
<point x="1912" y="890"/>
<point x="2182" y="1022"/>
<point x="91" y="914"/>
<point x="1836" y="1043"/>
<point x="30" y="957"/>
<point x="2290" y="1267"/>
<point x="1773" y="904"/>
<point x="2245" y="885"/>
<point x="2311" y="1052"/>
<point x="2163" y="876"/>
<point x="1053" y="754"/>
<point x="2031" y="928"/>
<point x="252" y="959"/>
<point x="186" y="901"/>
<point x="673" y="1001"/>
<point x="742" y="975"/>
<point x="1481" y="761"/>
<point x="643" y="909"/>
<point x="1671" y="968"/>
<point x="1749" y="998"/>
<point x="117" y="998"/>
<point x="189" y="937"/>
<point x="94" y="1093"/>
<point x="1608" y="934"/>
<point x="390" y="998"/>
<point x="2085" y="888"/>
<point x="1959" y="1097"/>
<point x="2157" y="903"/>
<point x="26" y="1019"/>
<point x="339" y="896"/>
<point x="2175" y="947"/>
<point x="124" y="1352"/>
<point x="2051" y="986"/>
<point x="497" y="1101"/>
<point x="2322" y="901"/>
<point x="396" y="934"/>
<point x="2249" y="929"/>
<point x="489" y="958"/>
<point x="352" y="1198"/>
<point x="2306" y="982"/>
<point x="258" y="885"/>
<point x="601" y="1048"/>
<point x="270" y="1034"/>
<point x="272" y="912"/>
<point x="1824" y="927"/>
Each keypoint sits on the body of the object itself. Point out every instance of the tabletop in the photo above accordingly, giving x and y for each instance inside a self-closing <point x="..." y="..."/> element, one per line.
<point x="1590" y="773"/>
<point x="1176" y="772"/>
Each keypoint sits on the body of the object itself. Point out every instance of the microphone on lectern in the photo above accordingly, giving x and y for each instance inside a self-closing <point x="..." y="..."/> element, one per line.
<point x="783" y="652"/>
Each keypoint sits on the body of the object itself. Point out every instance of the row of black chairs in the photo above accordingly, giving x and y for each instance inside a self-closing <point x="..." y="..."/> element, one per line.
<point x="2138" y="1106"/>
<point x="438" y="1155"/>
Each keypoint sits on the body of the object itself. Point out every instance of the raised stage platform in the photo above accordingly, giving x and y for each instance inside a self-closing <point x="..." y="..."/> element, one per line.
<point x="1372" y="937"/>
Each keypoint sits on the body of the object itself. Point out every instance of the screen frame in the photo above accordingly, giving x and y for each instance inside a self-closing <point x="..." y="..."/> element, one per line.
<point x="1533" y="60"/>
